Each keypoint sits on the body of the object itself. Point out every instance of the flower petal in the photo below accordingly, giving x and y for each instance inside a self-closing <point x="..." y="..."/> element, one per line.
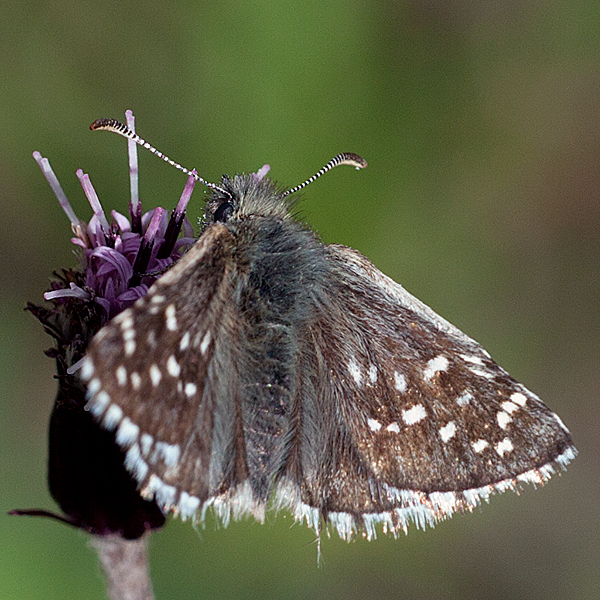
<point x="114" y="261"/>
<point x="121" y="220"/>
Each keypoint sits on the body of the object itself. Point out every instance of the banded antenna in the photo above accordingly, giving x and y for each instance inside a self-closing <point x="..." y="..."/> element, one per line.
<point x="118" y="127"/>
<point x="344" y="158"/>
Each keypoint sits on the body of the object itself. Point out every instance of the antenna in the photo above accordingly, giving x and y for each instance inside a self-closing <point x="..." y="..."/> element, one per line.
<point x="344" y="158"/>
<point x="118" y="127"/>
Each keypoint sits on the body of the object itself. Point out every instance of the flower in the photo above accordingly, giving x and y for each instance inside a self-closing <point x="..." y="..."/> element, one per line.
<point x="120" y="259"/>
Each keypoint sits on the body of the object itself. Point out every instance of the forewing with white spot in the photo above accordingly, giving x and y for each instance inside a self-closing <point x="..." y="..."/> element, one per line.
<point x="175" y="424"/>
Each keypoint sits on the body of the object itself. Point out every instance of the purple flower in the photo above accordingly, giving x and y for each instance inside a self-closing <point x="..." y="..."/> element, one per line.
<point x="121" y="257"/>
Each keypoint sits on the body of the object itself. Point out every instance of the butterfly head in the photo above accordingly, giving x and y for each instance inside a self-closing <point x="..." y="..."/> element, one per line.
<point x="246" y="196"/>
<point x="255" y="195"/>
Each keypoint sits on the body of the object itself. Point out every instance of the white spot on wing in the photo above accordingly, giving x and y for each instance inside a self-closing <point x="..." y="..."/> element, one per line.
<point x="399" y="382"/>
<point x="374" y="425"/>
<point x="566" y="457"/>
<point x="151" y="338"/>
<point x="157" y="298"/>
<point x="190" y="389"/>
<point x="372" y="373"/>
<point x="128" y="334"/>
<point x="509" y="407"/>
<point x="185" y="341"/>
<point x="164" y="494"/>
<point x="171" y="318"/>
<point x="480" y="445"/>
<point x="129" y="347"/>
<point x="504" y="446"/>
<point x="519" y="399"/>
<point x="435" y="365"/>
<point x="168" y="452"/>
<point x="188" y="505"/>
<point x="444" y="501"/>
<point x="344" y="523"/>
<point x="94" y="386"/>
<point x="127" y="321"/>
<point x="503" y="419"/>
<point x="101" y="401"/>
<point x="155" y="375"/>
<point x="121" y="376"/>
<point x="447" y="431"/>
<point x="173" y="366"/>
<point x="205" y="342"/>
<point x="136" y="381"/>
<point x="87" y="368"/>
<point x="414" y="415"/>
<point x="355" y="371"/>
<point x="532" y="476"/>
<point x="127" y="432"/>
<point x="481" y="373"/>
<point x="146" y="441"/>
<point x="472" y="359"/>
<point x="112" y="416"/>
<point x="393" y="428"/>
<point x="135" y="463"/>
<point x="464" y="398"/>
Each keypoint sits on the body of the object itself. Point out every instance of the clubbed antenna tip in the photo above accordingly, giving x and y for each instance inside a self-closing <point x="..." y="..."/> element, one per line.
<point x="344" y="158"/>
<point x="118" y="127"/>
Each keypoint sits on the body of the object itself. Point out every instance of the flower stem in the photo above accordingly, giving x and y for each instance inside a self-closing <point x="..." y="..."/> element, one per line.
<point x="125" y="563"/>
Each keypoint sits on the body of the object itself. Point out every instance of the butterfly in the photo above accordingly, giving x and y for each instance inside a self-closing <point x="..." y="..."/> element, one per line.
<point x="266" y="368"/>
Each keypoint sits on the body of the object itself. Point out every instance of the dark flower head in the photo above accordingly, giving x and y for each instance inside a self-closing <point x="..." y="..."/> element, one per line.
<point x="120" y="259"/>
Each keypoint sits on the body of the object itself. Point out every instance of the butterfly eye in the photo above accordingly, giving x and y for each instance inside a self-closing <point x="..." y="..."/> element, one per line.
<point x="223" y="213"/>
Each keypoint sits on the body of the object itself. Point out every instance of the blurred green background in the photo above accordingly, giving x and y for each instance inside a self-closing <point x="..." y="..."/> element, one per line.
<point x="481" y="125"/>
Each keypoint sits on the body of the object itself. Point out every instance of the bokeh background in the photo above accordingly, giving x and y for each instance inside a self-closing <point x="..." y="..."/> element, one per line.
<point x="481" y="125"/>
